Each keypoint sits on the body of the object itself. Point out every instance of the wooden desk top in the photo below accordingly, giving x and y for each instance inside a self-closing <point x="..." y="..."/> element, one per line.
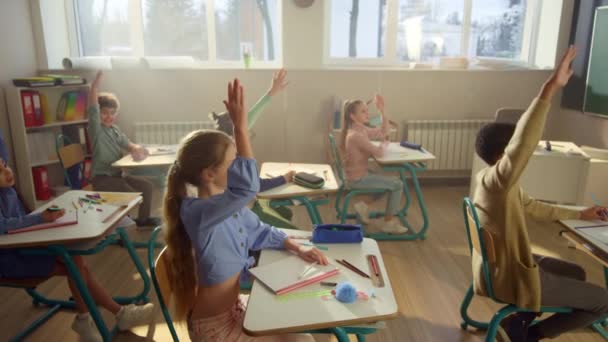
<point x="267" y="315"/>
<point x="291" y="189"/>
<point x="85" y="230"/>
<point x="397" y="154"/>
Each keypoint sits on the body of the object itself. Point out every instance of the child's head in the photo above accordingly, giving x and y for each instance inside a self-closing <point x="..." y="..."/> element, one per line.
<point x="492" y="140"/>
<point x="108" y="108"/>
<point x="7" y="179"/>
<point x="353" y="111"/>
<point x="202" y="160"/>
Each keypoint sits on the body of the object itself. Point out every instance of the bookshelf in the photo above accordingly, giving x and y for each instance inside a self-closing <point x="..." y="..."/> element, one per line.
<point x="35" y="146"/>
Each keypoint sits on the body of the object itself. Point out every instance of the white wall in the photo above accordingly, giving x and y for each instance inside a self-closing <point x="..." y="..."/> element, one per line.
<point x="294" y="126"/>
<point x="17" y="52"/>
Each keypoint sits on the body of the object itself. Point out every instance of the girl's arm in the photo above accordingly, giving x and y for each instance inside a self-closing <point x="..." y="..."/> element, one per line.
<point x="243" y="185"/>
<point x="383" y="130"/>
<point x="93" y="107"/>
<point x="277" y="85"/>
<point x="262" y="235"/>
<point x="236" y="108"/>
<point x="362" y="143"/>
<point x="269" y="183"/>
<point x="11" y="223"/>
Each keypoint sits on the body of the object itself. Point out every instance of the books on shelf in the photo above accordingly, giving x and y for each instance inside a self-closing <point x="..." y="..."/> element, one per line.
<point x="72" y="106"/>
<point x="34" y="82"/>
<point x="66" y="79"/>
<point x="49" y="80"/>
<point x="292" y="273"/>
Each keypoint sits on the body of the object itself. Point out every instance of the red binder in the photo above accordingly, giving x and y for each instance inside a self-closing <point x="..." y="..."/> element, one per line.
<point x="27" y="104"/>
<point x="41" y="183"/>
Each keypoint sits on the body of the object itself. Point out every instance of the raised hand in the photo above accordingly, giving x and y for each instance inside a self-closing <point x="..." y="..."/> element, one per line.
<point x="98" y="78"/>
<point x="379" y="101"/>
<point x="235" y="105"/>
<point x="563" y="72"/>
<point x="278" y="82"/>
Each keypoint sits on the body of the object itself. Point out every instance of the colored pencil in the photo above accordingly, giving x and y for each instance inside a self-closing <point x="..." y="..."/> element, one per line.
<point x="352" y="268"/>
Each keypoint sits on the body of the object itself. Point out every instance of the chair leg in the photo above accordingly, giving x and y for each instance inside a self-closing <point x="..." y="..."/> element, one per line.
<point x="35" y="324"/>
<point x="600" y="329"/>
<point x="498" y="317"/>
<point x="466" y="320"/>
<point x="344" y="212"/>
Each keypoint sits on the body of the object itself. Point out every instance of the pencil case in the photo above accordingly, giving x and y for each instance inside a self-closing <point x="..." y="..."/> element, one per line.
<point x="308" y="180"/>
<point x="411" y="145"/>
<point x="337" y="233"/>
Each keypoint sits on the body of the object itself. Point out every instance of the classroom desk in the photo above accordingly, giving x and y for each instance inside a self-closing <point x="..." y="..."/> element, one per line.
<point x="595" y="248"/>
<point x="63" y="242"/>
<point x="287" y="193"/>
<point x="160" y="156"/>
<point x="268" y="315"/>
<point x="400" y="159"/>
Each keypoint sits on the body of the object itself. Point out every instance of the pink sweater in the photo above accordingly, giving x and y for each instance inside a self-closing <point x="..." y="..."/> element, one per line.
<point x="359" y="148"/>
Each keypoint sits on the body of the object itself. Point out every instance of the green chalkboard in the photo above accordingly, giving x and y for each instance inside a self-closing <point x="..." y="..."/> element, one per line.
<point x="596" y="94"/>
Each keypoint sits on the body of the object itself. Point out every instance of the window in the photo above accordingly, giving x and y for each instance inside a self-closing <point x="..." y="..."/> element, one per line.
<point x="212" y="31"/>
<point x="357" y="28"/>
<point x="389" y="32"/>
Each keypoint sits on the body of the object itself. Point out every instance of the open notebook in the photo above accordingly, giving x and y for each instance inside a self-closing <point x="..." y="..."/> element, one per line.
<point x="70" y="218"/>
<point x="284" y="276"/>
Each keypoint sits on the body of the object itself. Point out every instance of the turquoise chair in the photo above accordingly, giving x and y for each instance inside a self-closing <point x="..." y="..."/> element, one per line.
<point x="342" y="203"/>
<point x="482" y="241"/>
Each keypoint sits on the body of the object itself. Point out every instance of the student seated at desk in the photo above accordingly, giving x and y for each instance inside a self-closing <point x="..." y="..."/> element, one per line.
<point x="219" y="227"/>
<point x="519" y="277"/>
<point x="357" y="149"/>
<point x="109" y="142"/>
<point x="14" y="265"/>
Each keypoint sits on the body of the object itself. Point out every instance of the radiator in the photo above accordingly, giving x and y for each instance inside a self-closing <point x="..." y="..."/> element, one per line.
<point x="451" y="141"/>
<point x="170" y="132"/>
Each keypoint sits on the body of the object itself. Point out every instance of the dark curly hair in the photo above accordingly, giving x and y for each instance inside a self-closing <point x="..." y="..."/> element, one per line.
<point x="492" y="140"/>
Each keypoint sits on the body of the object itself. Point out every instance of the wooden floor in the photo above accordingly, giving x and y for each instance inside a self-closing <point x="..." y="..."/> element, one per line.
<point x="429" y="277"/>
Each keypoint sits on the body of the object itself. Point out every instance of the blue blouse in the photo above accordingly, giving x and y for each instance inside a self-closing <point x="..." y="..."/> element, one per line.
<point x="223" y="230"/>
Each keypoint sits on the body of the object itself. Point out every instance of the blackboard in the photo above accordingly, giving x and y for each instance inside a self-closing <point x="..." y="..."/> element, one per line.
<point x="596" y="90"/>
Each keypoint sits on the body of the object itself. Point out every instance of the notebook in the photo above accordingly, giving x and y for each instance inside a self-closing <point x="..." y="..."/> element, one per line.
<point x="284" y="276"/>
<point x="70" y="218"/>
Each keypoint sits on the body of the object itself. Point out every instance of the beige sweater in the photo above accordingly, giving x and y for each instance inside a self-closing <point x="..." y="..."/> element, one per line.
<point x="502" y="206"/>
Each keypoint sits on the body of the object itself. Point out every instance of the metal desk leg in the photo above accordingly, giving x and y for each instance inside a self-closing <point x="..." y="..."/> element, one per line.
<point x="83" y="290"/>
<point x="143" y="295"/>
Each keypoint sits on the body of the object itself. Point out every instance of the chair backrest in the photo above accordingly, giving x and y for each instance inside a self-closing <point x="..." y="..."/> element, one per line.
<point x="508" y="115"/>
<point x="71" y="158"/>
<point x="481" y="240"/>
<point x="160" y="274"/>
<point x="336" y="156"/>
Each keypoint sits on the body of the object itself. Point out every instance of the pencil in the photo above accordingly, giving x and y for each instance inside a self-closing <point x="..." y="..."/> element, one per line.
<point x="352" y="268"/>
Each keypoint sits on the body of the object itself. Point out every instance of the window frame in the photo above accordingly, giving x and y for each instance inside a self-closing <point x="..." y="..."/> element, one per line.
<point x="390" y="58"/>
<point x="76" y="49"/>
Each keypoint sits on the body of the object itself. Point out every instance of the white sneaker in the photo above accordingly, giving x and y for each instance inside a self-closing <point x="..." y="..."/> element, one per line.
<point x="86" y="329"/>
<point x="132" y="315"/>
<point x="363" y="211"/>
<point x="393" y="227"/>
